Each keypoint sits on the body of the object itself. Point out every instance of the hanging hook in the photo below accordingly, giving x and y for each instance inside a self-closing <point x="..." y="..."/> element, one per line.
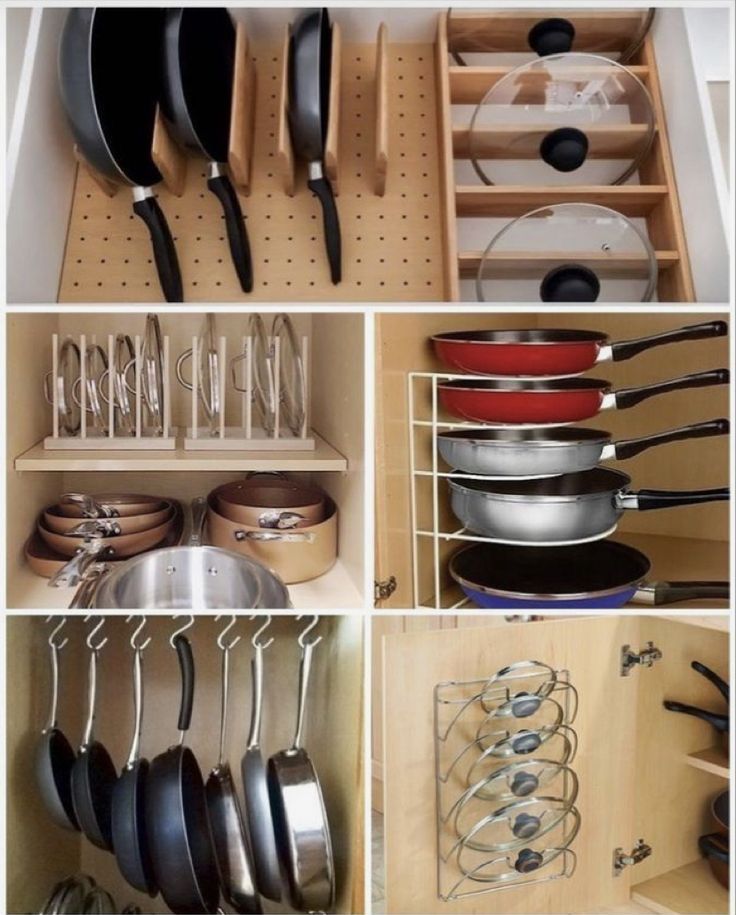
<point x="221" y="636"/>
<point x="93" y="632"/>
<point x="136" y="632"/>
<point x="181" y="628"/>
<point x="305" y="632"/>
<point x="55" y="631"/>
<point x="255" y="640"/>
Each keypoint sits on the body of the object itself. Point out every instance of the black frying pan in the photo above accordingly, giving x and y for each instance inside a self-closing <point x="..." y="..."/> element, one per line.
<point x="129" y="833"/>
<point x="199" y="61"/>
<point x="110" y="74"/>
<point x="54" y="754"/>
<point x="310" y="63"/>
<point x="93" y="775"/>
<point x="719" y="721"/>
<point x="176" y="814"/>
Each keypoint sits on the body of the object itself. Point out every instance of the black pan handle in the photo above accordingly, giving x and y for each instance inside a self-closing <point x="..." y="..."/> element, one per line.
<point x="719" y="722"/>
<point x="719" y="683"/>
<point x="164" y="251"/>
<point x="629" y="397"/>
<point x="322" y="188"/>
<point x="647" y="499"/>
<point x="628" y="348"/>
<point x="630" y="447"/>
<point x="237" y="236"/>
<point x="670" y="592"/>
<point x="186" y="666"/>
<point x="715" y="846"/>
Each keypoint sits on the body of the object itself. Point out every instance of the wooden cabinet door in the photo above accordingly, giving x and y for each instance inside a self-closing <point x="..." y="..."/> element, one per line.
<point x="590" y="649"/>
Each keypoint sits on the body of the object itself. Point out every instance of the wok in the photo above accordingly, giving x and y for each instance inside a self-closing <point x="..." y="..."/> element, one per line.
<point x="551" y="351"/>
<point x="109" y="68"/>
<point x="550" y="452"/>
<point x="310" y="63"/>
<point x="563" y="400"/>
<point x="199" y="62"/>
<point x="571" y="508"/>
<point x="599" y="575"/>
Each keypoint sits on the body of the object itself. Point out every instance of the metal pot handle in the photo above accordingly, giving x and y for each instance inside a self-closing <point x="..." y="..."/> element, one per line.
<point x="46" y="393"/>
<point x="87" y="505"/>
<point x="187" y="354"/>
<point x="271" y="536"/>
<point x="72" y="572"/>
<point x="95" y="527"/>
<point x="85" y="593"/>
<point x="199" y="513"/>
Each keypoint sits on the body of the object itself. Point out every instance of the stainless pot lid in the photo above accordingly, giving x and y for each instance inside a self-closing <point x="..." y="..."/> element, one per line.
<point x="570" y="252"/>
<point x="568" y="119"/>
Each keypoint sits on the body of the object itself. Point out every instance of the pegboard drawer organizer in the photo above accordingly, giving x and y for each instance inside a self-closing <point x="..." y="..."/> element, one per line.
<point x="114" y="411"/>
<point x="654" y="198"/>
<point x="506" y="786"/>
<point x="383" y="158"/>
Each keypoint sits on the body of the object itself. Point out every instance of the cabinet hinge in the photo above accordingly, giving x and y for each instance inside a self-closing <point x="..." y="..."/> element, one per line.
<point x="644" y="658"/>
<point x="382" y="590"/>
<point x="638" y="853"/>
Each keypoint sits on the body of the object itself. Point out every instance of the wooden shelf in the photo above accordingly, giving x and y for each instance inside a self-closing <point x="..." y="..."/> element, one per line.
<point x="512" y="200"/>
<point x="323" y="457"/>
<point x="713" y="760"/>
<point x="522" y="264"/>
<point x="688" y="890"/>
<point x="522" y="141"/>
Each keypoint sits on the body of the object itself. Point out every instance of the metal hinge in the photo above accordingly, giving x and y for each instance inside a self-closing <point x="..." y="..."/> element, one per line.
<point x="638" y="853"/>
<point x="382" y="590"/>
<point x="644" y="658"/>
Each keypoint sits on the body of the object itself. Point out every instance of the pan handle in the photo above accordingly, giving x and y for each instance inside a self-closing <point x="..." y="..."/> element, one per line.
<point x="719" y="722"/>
<point x="256" y="667"/>
<point x="305" y="667"/>
<point x="271" y="536"/>
<point x="321" y="187"/>
<point x="628" y="348"/>
<point x="146" y="207"/>
<point x="186" y="666"/>
<point x="715" y="846"/>
<point x="718" y="682"/>
<point x="199" y="513"/>
<point x="647" y="499"/>
<point x="630" y="397"/>
<point x="628" y="448"/>
<point x="670" y="592"/>
<point x="72" y="572"/>
<point x="221" y="186"/>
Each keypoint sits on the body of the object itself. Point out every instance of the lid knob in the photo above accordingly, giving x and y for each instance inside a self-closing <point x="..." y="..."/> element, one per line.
<point x="565" y="149"/>
<point x="526" y="825"/>
<point x="551" y="36"/>
<point x="524" y="783"/>
<point x="528" y="860"/>
<point x="570" y="283"/>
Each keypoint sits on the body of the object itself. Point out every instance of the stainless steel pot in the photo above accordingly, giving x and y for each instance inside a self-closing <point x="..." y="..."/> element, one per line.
<point x="571" y="508"/>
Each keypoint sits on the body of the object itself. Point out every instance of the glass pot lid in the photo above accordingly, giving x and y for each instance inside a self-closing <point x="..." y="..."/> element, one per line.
<point x="291" y="374"/>
<point x="616" y="32"/>
<point x="571" y="252"/>
<point x="568" y="119"/>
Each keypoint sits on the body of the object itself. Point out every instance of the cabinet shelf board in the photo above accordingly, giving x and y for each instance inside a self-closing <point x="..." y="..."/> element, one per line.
<point x="509" y="201"/>
<point x="323" y="457"/>
<point x="713" y="760"/>
<point x="688" y="890"/>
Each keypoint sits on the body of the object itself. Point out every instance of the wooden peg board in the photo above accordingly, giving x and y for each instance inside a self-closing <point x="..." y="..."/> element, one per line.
<point x="392" y="245"/>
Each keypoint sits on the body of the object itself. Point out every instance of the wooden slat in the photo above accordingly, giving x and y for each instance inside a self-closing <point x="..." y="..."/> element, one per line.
<point x="284" y="150"/>
<point x="444" y="122"/>
<point x="688" y="890"/>
<point x="468" y="85"/>
<point x="332" y="142"/>
<point x="242" y="112"/>
<point x="517" y="141"/>
<point x="170" y="159"/>
<point x="524" y="264"/>
<point x="109" y="188"/>
<point x="713" y="760"/>
<point x="381" y="110"/>
<point x="631" y="200"/>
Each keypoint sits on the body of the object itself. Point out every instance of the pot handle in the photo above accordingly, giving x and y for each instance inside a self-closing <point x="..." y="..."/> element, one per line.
<point x="670" y="592"/>
<point x="199" y="513"/>
<point x="164" y="250"/>
<point x="85" y="593"/>
<point x="628" y="448"/>
<point x="719" y="683"/>
<point x="87" y="505"/>
<point x="715" y="846"/>
<point x="647" y="499"/>
<point x="237" y="236"/>
<point x="72" y="572"/>
<point x="628" y="348"/>
<point x="95" y="527"/>
<point x="630" y="397"/>
<point x="719" y="722"/>
<point x="187" y="354"/>
<point x="186" y="666"/>
<point x="271" y="536"/>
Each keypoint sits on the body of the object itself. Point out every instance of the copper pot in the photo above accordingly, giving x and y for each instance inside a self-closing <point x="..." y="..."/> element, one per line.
<point x="108" y="504"/>
<point x="58" y="523"/>
<point x="265" y="500"/>
<point x="298" y="555"/>
<point x="116" y="545"/>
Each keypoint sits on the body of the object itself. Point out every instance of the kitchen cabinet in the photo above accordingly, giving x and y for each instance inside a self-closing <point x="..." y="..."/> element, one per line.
<point x="40" y="853"/>
<point x="36" y="477"/>
<point x="684" y="543"/>
<point x="644" y="772"/>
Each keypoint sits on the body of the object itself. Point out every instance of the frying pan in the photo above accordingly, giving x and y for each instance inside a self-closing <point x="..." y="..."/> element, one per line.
<point x="562" y="400"/>
<point x="229" y="838"/>
<point x="715" y="846"/>
<point x="299" y="816"/>
<point x="571" y="508"/>
<point x="176" y="813"/>
<point x="116" y="544"/>
<point x="599" y="575"/>
<point x="58" y="523"/>
<point x="93" y="774"/>
<point x="255" y="786"/>
<point x="109" y="68"/>
<point x="551" y="352"/>
<point x="107" y="505"/>
<point x="721" y="722"/>
<point x="310" y="63"/>
<point x="199" y="61"/>
<point x="130" y="838"/>
<point x="54" y="754"/>
<point x="549" y="452"/>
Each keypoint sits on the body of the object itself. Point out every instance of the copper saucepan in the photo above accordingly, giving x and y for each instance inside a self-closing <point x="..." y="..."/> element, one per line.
<point x="58" y="523"/>
<point x="298" y="555"/>
<point x="265" y="500"/>
<point x="108" y="505"/>
<point x="115" y="545"/>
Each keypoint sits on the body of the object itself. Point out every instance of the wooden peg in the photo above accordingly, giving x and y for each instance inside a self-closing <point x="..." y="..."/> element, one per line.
<point x="381" y="83"/>
<point x="332" y="141"/>
<point x="170" y="160"/>
<point x="284" y="150"/>
<point x="242" y="113"/>
<point x="109" y="188"/>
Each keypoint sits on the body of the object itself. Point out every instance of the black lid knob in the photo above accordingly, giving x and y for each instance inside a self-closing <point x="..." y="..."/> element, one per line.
<point x="526" y="825"/>
<point x="551" y="36"/>
<point x="525" y="742"/>
<point x="524" y="704"/>
<point x="524" y="783"/>
<point x="565" y="149"/>
<point x="528" y="860"/>
<point x="570" y="283"/>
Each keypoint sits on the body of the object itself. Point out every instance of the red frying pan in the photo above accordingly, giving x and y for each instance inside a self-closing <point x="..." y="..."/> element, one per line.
<point x="562" y="400"/>
<point x="551" y="352"/>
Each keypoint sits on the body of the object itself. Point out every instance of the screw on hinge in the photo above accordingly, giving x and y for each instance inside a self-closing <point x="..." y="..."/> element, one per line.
<point x="644" y="658"/>
<point x="638" y="853"/>
<point x="382" y="590"/>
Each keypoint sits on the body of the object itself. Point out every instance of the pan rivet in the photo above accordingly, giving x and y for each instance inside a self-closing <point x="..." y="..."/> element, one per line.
<point x="170" y="570"/>
<point x="212" y="570"/>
